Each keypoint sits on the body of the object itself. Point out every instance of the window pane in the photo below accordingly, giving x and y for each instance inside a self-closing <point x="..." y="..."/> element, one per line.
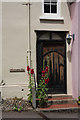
<point x="45" y="36"/>
<point x="46" y="8"/>
<point x="46" y="1"/>
<point x="52" y="1"/>
<point x="54" y="7"/>
<point x="57" y="36"/>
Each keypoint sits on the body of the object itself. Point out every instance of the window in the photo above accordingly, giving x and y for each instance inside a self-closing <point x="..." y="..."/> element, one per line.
<point x="51" y="10"/>
<point x="50" y="6"/>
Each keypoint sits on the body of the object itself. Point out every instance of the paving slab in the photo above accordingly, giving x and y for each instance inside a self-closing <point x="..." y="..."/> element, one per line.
<point x="23" y="114"/>
<point x="61" y="115"/>
<point x="33" y="115"/>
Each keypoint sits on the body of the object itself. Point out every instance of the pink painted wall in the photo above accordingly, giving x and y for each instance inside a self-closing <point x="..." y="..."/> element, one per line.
<point x="74" y="49"/>
<point x="79" y="48"/>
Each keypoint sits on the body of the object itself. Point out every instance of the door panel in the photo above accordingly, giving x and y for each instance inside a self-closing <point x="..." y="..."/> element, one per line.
<point x="39" y="60"/>
<point x="57" y="68"/>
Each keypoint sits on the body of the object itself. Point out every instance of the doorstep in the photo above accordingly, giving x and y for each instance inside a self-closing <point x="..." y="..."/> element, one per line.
<point x="61" y="103"/>
<point x="60" y="107"/>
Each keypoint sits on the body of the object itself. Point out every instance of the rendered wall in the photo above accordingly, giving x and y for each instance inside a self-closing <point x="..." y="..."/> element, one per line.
<point x="15" y="42"/>
<point x="54" y="26"/>
<point x="14" y="49"/>
<point x="0" y="45"/>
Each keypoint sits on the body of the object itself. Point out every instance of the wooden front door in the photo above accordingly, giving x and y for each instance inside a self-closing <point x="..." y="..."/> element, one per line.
<point x="56" y="50"/>
<point x="57" y="66"/>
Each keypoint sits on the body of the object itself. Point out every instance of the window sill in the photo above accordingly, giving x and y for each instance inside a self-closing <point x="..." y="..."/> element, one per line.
<point x="52" y="18"/>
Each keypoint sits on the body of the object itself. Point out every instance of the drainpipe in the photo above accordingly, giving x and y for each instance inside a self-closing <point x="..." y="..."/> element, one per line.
<point x="29" y="55"/>
<point x="29" y="38"/>
<point x="29" y="35"/>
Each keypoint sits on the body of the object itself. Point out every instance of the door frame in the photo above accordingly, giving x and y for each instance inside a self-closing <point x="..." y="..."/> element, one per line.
<point x="44" y="40"/>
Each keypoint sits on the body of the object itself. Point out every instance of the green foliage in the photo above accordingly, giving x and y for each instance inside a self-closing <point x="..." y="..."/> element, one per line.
<point x="30" y="92"/>
<point x="18" y="108"/>
<point x="42" y="87"/>
<point x="78" y="102"/>
<point x="31" y="83"/>
<point x="41" y="91"/>
<point x="17" y="104"/>
<point x="79" y="97"/>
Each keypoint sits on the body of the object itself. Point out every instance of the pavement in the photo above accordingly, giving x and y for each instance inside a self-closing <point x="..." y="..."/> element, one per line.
<point x="34" y="115"/>
<point x="61" y="108"/>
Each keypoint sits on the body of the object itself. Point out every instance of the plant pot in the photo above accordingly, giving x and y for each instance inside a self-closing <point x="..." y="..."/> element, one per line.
<point x="41" y="103"/>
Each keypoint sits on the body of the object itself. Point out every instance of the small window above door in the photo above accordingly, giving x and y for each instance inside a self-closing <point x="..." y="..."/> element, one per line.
<point x="50" y="6"/>
<point x="51" y="10"/>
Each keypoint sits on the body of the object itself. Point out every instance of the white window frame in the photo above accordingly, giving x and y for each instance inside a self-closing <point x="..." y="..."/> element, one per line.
<point x="58" y="14"/>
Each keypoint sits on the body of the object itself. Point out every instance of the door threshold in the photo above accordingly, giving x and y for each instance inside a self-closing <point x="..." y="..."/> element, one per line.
<point x="54" y="95"/>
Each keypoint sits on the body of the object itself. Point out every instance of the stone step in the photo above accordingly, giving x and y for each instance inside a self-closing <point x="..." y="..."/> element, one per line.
<point x="61" y="103"/>
<point x="61" y="107"/>
<point x="58" y="95"/>
<point x="61" y="100"/>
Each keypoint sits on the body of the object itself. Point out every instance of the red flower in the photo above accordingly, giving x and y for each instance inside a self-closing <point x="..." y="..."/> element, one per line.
<point x="28" y="68"/>
<point x="43" y="73"/>
<point x="46" y="69"/>
<point x="32" y="71"/>
<point x="46" y="81"/>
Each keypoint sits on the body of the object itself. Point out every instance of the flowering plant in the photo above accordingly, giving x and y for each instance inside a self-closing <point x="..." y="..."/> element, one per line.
<point x="31" y="70"/>
<point x="41" y="90"/>
<point x="31" y="80"/>
<point x="45" y="75"/>
<point x="42" y="87"/>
